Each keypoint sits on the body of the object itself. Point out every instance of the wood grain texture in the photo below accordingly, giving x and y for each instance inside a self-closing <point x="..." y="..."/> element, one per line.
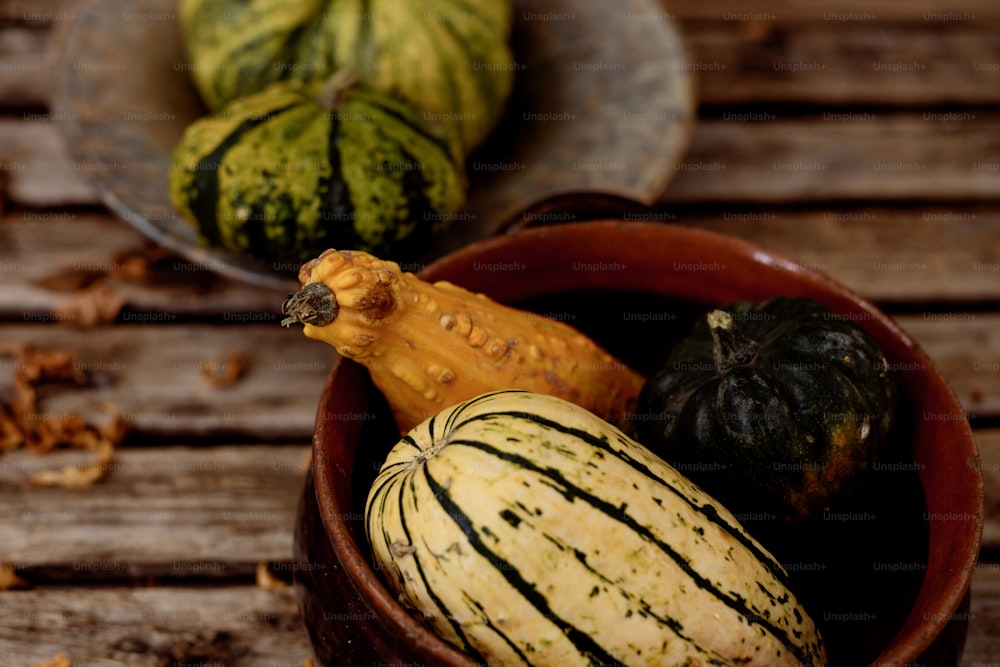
<point x="891" y="255"/>
<point x="155" y="627"/>
<point x="988" y="441"/>
<point x="174" y="512"/>
<point x="773" y="51"/>
<point x="39" y="13"/>
<point x="25" y="68"/>
<point x="44" y="255"/>
<point x="984" y="618"/>
<point x="965" y="348"/>
<point x="839" y="62"/>
<point x="881" y="157"/>
<point x="901" y="255"/>
<point x="782" y="11"/>
<point x="42" y="173"/>
<point x="152" y="374"/>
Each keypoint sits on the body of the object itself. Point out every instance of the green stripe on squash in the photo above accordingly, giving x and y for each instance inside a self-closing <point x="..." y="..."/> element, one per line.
<point x="450" y="59"/>
<point x="279" y="176"/>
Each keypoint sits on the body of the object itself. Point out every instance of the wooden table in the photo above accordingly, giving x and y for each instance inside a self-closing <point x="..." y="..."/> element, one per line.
<point x="861" y="138"/>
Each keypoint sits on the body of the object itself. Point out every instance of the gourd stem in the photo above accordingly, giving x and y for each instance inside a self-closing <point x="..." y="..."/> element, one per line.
<point x="329" y="96"/>
<point x="314" y="304"/>
<point x="729" y="347"/>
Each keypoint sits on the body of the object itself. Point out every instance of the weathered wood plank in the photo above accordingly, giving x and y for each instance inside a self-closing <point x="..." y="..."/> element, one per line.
<point x="25" y="67"/>
<point x="41" y="172"/>
<point x="154" y="627"/>
<point x="988" y="441"/>
<point x="152" y="374"/>
<point x="880" y="12"/>
<point x="982" y="644"/>
<point x="250" y="627"/>
<point x="965" y="348"/>
<point x="175" y="511"/>
<point x="840" y="63"/>
<point x="781" y="11"/>
<point x="949" y="253"/>
<point x="43" y="254"/>
<point x="768" y="51"/>
<point x="881" y="156"/>
<point x="967" y="11"/>
<point x="891" y="255"/>
<point x="39" y="12"/>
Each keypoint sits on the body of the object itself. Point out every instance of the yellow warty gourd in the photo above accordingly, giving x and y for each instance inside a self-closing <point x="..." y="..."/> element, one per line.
<point x="430" y="345"/>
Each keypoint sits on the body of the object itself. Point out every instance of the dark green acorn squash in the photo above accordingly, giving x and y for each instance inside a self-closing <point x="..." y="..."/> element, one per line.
<point x="777" y="409"/>
<point x="449" y="58"/>
<point x="295" y="169"/>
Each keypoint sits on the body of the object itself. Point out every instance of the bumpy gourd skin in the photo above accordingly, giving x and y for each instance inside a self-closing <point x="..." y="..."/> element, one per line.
<point x="279" y="176"/>
<point x="783" y="415"/>
<point x="449" y="58"/>
<point x="428" y="346"/>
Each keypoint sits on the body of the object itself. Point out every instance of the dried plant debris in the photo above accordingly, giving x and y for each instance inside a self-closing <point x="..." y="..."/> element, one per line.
<point x="58" y="660"/>
<point x="97" y="304"/>
<point x="23" y="425"/>
<point x="266" y="579"/>
<point x="79" y="476"/>
<point x="219" y="374"/>
<point x="11" y="436"/>
<point x="9" y="581"/>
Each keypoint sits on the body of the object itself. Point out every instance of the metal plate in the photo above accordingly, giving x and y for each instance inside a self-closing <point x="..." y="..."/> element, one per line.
<point x="603" y="104"/>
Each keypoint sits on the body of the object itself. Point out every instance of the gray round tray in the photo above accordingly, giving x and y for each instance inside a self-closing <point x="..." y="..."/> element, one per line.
<point x="603" y="104"/>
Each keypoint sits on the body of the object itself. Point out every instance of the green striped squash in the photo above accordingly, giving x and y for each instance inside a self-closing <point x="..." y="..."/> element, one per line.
<point x="295" y="169"/>
<point x="449" y="58"/>
<point x="527" y="531"/>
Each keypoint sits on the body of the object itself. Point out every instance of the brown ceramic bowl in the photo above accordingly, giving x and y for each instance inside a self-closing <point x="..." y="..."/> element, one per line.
<point x="887" y="582"/>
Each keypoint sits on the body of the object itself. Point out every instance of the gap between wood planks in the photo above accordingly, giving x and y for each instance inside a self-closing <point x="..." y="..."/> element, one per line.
<point x="226" y="625"/>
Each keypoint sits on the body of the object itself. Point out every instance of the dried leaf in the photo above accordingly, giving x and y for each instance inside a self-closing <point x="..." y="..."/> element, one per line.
<point x="59" y="660"/>
<point x="9" y="580"/>
<point x="98" y="304"/>
<point x="11" y="435"/>
<point x="36" y="365"/>
<point x="10" y="348"/>
<point x="78" y="476"/>
<point x="22" y="425"/>
<point x="117" y="426"/>
<point x="103" y="438"/>
<point x="309" y="663"/>
<point x="46" y="433"/>
<point x="68" y="279"/>
<point x="139" y="264"/>
<point x="223" y="374"/>
<point x="134" y="268"/>
<point x="759" y="29"/>
<point x="266" y="579"/>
